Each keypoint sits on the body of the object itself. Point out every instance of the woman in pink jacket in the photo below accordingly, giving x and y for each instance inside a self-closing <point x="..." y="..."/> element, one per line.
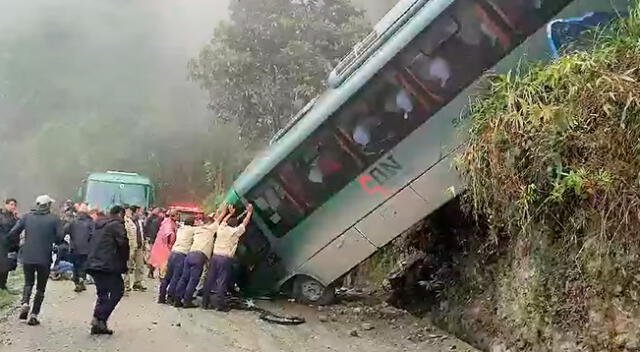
<point x="165" y="239"/>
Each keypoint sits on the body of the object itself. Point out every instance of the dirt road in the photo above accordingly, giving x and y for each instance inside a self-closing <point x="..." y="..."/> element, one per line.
<point x="142" y="325"/>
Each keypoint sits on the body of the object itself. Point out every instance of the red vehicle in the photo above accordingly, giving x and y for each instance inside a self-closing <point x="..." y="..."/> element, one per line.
<point x="185" y="211"/>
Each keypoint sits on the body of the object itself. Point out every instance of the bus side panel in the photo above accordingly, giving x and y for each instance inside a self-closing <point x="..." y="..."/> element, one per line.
<point x="344" y="253"/>
<point x="439" y="185"/>
<point x="393" y="217"/>
<point x="425" y="195"/>
<point x="324" y="226"/>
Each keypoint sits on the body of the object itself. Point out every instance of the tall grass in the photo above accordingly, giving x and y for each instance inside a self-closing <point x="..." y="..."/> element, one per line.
<point x="8" y="299"/>
<point x="553" y="164"/>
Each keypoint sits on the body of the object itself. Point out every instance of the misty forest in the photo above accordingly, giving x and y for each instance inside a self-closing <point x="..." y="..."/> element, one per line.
<point x="179" y="91"/>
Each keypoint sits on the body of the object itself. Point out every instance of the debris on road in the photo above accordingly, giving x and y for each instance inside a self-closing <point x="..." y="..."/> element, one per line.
<point x="367" y="326"/>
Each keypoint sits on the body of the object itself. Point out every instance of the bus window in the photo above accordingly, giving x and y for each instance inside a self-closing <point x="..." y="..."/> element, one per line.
<point x="444" y="71"/>
<point x="276" y="207"/>
<point x="321" y="167"/>
<point x="383" y="114"/>
<point x="329" y="165"/>
<point x="289" y="174"/>
<point x="525" y="16"/>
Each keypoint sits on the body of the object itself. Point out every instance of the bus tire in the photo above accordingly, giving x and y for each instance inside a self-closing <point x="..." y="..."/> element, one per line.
<point x="309" y="291"/>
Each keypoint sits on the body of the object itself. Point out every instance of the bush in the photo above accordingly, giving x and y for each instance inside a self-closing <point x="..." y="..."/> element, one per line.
<point x="553" y="165"/>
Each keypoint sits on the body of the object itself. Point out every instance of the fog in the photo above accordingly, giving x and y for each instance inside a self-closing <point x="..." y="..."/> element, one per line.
<point x="91" y="85"/>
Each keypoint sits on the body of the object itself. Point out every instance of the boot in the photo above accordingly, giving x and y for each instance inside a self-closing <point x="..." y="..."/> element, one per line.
<point x="95" y="327"/>
<point x="138" y="287"/>
<point x="170" y="300"/>
<point x="188" y="304"/>
<point x="78" y="288"/>
<point x="99" y="327"/>
<point x="24" y="312"/>
<point x="162" y="300"/>
<point x="177" y="303"/>
<point x="105" y="328"/>
<point x="33" y="320"/>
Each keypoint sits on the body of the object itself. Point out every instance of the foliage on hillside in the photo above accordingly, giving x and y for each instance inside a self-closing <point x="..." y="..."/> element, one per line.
<point x="272" y="57"/>
<point x="553" y="165"/>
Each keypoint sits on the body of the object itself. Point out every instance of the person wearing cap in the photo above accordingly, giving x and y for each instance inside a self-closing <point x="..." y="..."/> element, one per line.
<point x="42" y="230"/>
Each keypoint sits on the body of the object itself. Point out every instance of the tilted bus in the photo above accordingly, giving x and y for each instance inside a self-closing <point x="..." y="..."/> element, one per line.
<point x="373" y="154"/>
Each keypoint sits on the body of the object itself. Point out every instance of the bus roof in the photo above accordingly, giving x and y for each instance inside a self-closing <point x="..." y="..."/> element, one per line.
<point x="120" y="177"/>
<point x="333" y="98"/>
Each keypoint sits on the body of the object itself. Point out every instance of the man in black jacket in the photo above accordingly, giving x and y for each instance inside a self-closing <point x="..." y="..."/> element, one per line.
<point x="8" y="219"/>
<point x="42" y="231"/>
<point x="107" y="261"/>
<point x="80" y="231"/>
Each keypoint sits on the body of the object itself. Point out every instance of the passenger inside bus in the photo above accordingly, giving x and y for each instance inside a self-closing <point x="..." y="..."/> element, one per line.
<point x="288" y="172"/>
<point x="403" y="101"/>
<point x="329" y="166"/>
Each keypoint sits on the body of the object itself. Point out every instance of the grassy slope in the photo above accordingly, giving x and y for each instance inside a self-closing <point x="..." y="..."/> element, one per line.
<point x="553" y="163"/>
<point x="8" y="300"/>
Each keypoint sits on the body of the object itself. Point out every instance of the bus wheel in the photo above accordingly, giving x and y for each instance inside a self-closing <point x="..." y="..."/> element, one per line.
<point x="309" y="291"/>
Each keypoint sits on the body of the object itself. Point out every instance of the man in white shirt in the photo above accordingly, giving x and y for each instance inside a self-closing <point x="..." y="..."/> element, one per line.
<point x="179" y="251"/>
<point x="224" y="250"/>
<point x="199" y="254"/>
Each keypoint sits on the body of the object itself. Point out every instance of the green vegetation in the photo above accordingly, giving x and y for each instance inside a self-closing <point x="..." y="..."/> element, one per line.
<point x="8" y="299"/>
<point x="272" y="57"/>
<point x="263" y="65"/>
<point x="553" y="167"/>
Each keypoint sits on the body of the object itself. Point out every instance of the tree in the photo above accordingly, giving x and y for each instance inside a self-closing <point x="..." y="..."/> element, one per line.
<point x="272" y="57"/>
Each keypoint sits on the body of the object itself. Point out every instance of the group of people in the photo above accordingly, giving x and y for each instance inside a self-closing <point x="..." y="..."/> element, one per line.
<point x="214" y="243"/>
<point x="113" y="249"/>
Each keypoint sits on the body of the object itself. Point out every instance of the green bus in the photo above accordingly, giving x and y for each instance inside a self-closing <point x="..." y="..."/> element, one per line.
<point x="103" y="190"/>
<point x="373" y="154"/>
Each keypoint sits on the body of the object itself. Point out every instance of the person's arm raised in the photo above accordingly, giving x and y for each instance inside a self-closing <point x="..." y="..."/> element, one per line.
<point x="232" y="211"/>
<point x="247" y="218"/>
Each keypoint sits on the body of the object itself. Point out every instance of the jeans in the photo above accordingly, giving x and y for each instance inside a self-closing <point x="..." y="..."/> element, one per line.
<point x="217" y="280"/>
<point x="109" y="291"/>
<point x="37" y="274"/>
<point x="79" y="268"/>
<point x="191" y="271"/>
<point x="173" y="275"/>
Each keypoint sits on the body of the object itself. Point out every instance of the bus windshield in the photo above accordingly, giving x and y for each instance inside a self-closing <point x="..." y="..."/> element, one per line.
<point x="106" y="194"/>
